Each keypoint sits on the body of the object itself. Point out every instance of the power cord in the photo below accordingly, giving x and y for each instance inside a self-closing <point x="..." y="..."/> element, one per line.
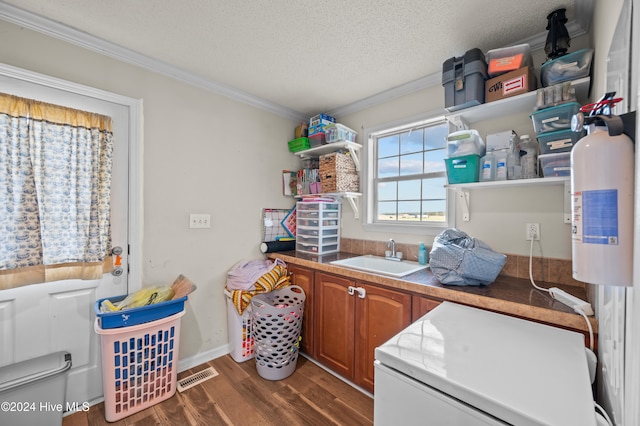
<point x="576" y="308"/>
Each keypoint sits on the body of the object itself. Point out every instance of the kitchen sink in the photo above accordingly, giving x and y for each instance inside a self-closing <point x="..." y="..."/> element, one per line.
<point x="380" y="265"/>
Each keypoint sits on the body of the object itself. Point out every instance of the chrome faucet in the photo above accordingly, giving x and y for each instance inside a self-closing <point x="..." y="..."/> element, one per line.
<point x="392" y="244"/>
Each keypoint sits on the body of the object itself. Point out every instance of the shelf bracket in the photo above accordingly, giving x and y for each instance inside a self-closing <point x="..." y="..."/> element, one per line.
<point x="354" y="156"/>
<point x="567" y="202"/>
<point x="354" y="206"/>
<point x="464" y="197"/>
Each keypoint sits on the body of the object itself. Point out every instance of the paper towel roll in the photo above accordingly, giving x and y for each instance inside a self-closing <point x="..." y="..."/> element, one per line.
<point x="275" y="246"/>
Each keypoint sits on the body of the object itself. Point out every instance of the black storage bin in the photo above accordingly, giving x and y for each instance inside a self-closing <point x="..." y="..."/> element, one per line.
<point x="463" y="80"/>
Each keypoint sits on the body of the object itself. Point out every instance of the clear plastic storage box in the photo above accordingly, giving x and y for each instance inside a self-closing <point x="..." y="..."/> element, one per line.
<point x="554" y="118"/>
<point x="503" y="60"/>
<point x="571" y="66"/>
<point x="558" y="164"/>
<point x="560" y="141"/>
<point x="465" y="142"/>
<point x="338" y="132"/>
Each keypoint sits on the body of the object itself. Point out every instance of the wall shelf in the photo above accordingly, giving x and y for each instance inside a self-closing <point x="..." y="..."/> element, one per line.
<point x="525" y="102"/>
<point x="462" y="190"/>
<point x="333" y="147"/>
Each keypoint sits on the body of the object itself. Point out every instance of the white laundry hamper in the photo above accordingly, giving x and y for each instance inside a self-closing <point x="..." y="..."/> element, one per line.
<point x="277" y="325"/>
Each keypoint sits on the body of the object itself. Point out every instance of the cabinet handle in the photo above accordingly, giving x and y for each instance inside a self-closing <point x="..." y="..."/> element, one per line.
<point x="351" y="290"/>
<point x="362" y="293"/>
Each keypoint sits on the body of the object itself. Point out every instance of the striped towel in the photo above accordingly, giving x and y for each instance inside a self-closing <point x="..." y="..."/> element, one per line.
<point x="275" y="279"/>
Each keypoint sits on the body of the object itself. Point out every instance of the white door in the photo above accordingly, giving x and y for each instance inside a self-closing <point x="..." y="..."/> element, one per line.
<point x="39" y="319"/>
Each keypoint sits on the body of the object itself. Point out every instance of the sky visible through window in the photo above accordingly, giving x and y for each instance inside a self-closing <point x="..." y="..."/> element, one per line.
<point x="410" y="175"/>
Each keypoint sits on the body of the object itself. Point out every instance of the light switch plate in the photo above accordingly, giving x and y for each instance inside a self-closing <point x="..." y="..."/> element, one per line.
<point x="199" y="220"/>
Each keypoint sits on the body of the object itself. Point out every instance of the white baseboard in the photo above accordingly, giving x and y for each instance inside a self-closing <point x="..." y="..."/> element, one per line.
<point x="202" y="358"/>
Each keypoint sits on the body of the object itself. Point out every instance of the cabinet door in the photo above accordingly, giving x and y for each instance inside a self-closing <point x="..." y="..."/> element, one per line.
<point x="303" y="278"/>
<point x="380" y="315"/>
<point x="334" y="325"/>
<point x="422" y="305"/>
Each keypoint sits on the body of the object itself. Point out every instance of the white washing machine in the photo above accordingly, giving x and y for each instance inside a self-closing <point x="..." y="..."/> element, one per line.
<point x="462" y="366"/>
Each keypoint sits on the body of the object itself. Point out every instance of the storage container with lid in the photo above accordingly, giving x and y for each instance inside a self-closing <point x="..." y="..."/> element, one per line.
<point x="336" y="132"/>
<point x="463" y="80"/>
<point x="554" y="118"/>
<point x="465" y="142"/>
<point x="571" y="66"/>
<point x="558" y="164"/>
<point x="560" y="141"/>
<point x="503" y="60"/>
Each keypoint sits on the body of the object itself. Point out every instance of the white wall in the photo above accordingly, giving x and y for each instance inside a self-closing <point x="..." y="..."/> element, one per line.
<point x="203" y="153"/>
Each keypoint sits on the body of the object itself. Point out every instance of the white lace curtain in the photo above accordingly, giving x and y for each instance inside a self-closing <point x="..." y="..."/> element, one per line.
<point x="55" y="185"/>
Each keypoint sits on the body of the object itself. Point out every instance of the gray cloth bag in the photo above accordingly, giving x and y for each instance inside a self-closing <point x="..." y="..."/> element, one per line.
<point x="458" y="259"/>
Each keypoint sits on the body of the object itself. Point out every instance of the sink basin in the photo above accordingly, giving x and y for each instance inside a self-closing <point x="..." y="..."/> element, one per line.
<point x="380" y="265"/>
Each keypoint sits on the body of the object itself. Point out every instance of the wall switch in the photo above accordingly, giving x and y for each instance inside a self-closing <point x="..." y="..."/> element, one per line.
<point x="532" y="231"/>
<point x="199" y="220"/>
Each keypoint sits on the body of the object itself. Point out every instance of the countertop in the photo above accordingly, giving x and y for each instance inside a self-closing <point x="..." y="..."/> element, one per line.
<point x="508" y="295"/>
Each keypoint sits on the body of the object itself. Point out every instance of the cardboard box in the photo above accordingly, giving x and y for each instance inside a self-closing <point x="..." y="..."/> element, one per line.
<point x="510" y="84"/>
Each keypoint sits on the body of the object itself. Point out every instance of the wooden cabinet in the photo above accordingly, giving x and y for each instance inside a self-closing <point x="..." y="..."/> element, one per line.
<point x="421" y="305"/>
<point x="303" y="277"/>
<point x="352" y="319"/>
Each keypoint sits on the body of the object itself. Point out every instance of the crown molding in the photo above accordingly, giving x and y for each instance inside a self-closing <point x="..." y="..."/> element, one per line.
<point x="62" y="32"/>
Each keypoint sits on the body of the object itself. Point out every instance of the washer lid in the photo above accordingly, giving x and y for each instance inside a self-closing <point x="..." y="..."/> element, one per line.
<point x="519" y="371"/>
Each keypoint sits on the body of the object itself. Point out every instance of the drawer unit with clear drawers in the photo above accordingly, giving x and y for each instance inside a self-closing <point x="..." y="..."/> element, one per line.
<point x="318" y="227"/>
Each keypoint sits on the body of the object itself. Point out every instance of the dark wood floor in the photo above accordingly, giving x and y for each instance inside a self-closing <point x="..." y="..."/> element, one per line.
<point x="239" y="396"/>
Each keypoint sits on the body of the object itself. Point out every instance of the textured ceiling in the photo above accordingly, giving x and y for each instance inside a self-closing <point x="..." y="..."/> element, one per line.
<point x="306" y="56"/>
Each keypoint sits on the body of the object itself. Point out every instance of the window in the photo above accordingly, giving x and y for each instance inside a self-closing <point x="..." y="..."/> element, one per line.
<point x="407" y="176"/>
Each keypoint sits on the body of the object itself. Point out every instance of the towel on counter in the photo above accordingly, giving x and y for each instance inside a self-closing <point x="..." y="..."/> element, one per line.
<point x="275" y="277"/>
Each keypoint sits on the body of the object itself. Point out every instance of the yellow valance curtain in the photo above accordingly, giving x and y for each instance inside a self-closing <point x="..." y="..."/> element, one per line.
<point x="55" y="186"/>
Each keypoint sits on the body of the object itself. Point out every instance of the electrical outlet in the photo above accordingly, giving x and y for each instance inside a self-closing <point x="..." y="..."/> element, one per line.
<point x="532" y="231"/>
<point x="199" y="220"/>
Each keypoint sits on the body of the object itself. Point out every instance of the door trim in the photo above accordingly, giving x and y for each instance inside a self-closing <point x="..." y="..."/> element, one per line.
<point x="135" y="155"/>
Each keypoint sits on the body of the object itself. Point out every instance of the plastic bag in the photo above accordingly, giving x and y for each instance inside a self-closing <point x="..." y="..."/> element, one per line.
<point x="458" y="259"/>
<point x="142" y="297"/>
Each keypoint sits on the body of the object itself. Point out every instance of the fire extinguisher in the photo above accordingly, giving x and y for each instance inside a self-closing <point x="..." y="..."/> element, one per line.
<point x="602" y="193"/>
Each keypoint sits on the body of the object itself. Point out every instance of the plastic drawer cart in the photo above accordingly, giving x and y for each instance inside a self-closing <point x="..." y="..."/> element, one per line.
<point x="33" y="391"/>
<point x="277" y="325"/>
<point x="139" y="365"/>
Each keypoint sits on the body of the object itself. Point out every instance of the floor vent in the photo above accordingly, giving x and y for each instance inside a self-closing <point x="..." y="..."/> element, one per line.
<point x="196" y="379"/>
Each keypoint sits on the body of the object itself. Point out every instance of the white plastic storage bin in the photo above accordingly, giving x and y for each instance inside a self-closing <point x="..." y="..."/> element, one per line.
<point x="33" y="391"/>
<point x="318" y="227"/>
